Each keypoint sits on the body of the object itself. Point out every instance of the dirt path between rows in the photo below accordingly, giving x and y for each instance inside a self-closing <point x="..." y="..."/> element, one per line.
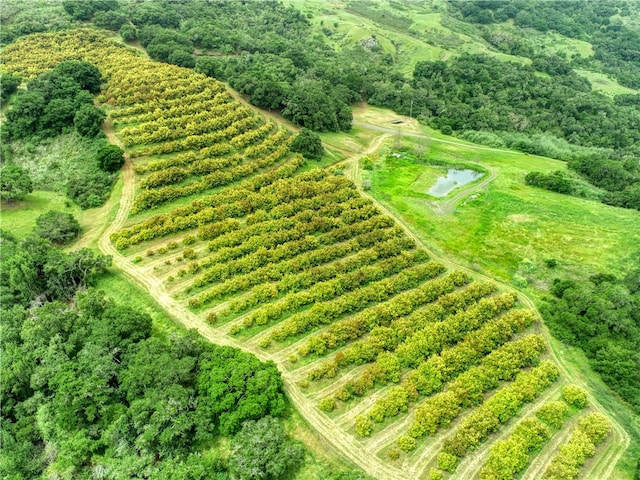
<point x="343" y="444"/>
<point x="605" y="466"/>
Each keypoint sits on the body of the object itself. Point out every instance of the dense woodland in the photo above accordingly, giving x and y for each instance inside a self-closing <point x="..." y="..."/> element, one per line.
<point x="88" y="390"/>
<point x="602" y="317"/>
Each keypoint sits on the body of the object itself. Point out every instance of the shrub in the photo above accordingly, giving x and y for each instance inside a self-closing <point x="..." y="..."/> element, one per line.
<point x="212" y="317"/>
<point x="447" y="462"/>
<point x="435" y="474"/>
<point x="15" y="182"/>
<point x="90" y="190"/>
<point x="394" y="454"/>
<point x="88" y="120"/>
<point x="189" y="240"/>
<point x="407" y="443"/>
<point x="575" y="396"/>
<point x="58" y="227"/>
<point x="189" y="254"/>
<point x="128" y="32"/>
<point x="110" y="158"/>
<point x="364" y="427"/>
<point x="327" y="404"/>
<point x="308" y="144"/>
<point x="262" y="449"/>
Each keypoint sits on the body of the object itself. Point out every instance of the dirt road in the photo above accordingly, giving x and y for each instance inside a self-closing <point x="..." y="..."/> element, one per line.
<point x="620" y="438"/>
<point x="344" y="444"/>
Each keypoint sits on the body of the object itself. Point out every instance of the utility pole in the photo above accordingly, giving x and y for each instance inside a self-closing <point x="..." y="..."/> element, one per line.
<point x="411" y="109"/>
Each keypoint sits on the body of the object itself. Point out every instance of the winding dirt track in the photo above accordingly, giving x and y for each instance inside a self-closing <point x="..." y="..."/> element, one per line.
<point x="344" y="444"/>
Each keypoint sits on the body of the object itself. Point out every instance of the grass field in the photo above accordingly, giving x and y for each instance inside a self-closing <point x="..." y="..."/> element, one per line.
<point x="510" y="229"/>
<point x="19" y="218"/>
<point x="605" y="84"/>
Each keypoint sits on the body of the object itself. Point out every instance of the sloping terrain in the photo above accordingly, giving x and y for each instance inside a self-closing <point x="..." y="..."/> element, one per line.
<point x="405" y="363"/>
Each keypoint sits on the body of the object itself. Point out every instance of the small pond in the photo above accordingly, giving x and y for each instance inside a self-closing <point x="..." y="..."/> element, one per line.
<point x="455" y="178"/>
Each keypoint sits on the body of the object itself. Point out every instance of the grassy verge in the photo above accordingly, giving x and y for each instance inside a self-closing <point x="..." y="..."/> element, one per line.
<point x="322" y="461"/>
<point x="119" y="288"/>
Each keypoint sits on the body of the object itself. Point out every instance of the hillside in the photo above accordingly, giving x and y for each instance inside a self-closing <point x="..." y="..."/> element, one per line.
<point x="404" y="324"/>
<point x="237" y="237"/>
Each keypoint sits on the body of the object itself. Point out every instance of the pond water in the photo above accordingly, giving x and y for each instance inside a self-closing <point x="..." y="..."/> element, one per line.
<point x="455" y="178"/>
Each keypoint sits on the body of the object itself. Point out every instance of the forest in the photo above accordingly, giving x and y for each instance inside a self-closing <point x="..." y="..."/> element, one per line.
<point x="616" y="45"/>
<point x="602" y="317"/>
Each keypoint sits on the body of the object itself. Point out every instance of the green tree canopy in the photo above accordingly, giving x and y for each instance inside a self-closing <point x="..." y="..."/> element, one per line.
<point x="262" y="450"/>
<point x="238" y="387"/>
<point x="110" y="158"/>
<point x="8" y="85"/>
<point x="85" y="74"/>
<point x="57" y="227"/>
<point x="308" y="143"/>
<point x="601" y="316"/>
<point x="88" y="120"/>
<point x="15" y="182"/>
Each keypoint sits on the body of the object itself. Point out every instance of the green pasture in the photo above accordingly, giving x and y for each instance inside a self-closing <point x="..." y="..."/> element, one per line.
<point x="509" y="229"/>
<point x="19" y="217"/>
<point x="604" y="84"/>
